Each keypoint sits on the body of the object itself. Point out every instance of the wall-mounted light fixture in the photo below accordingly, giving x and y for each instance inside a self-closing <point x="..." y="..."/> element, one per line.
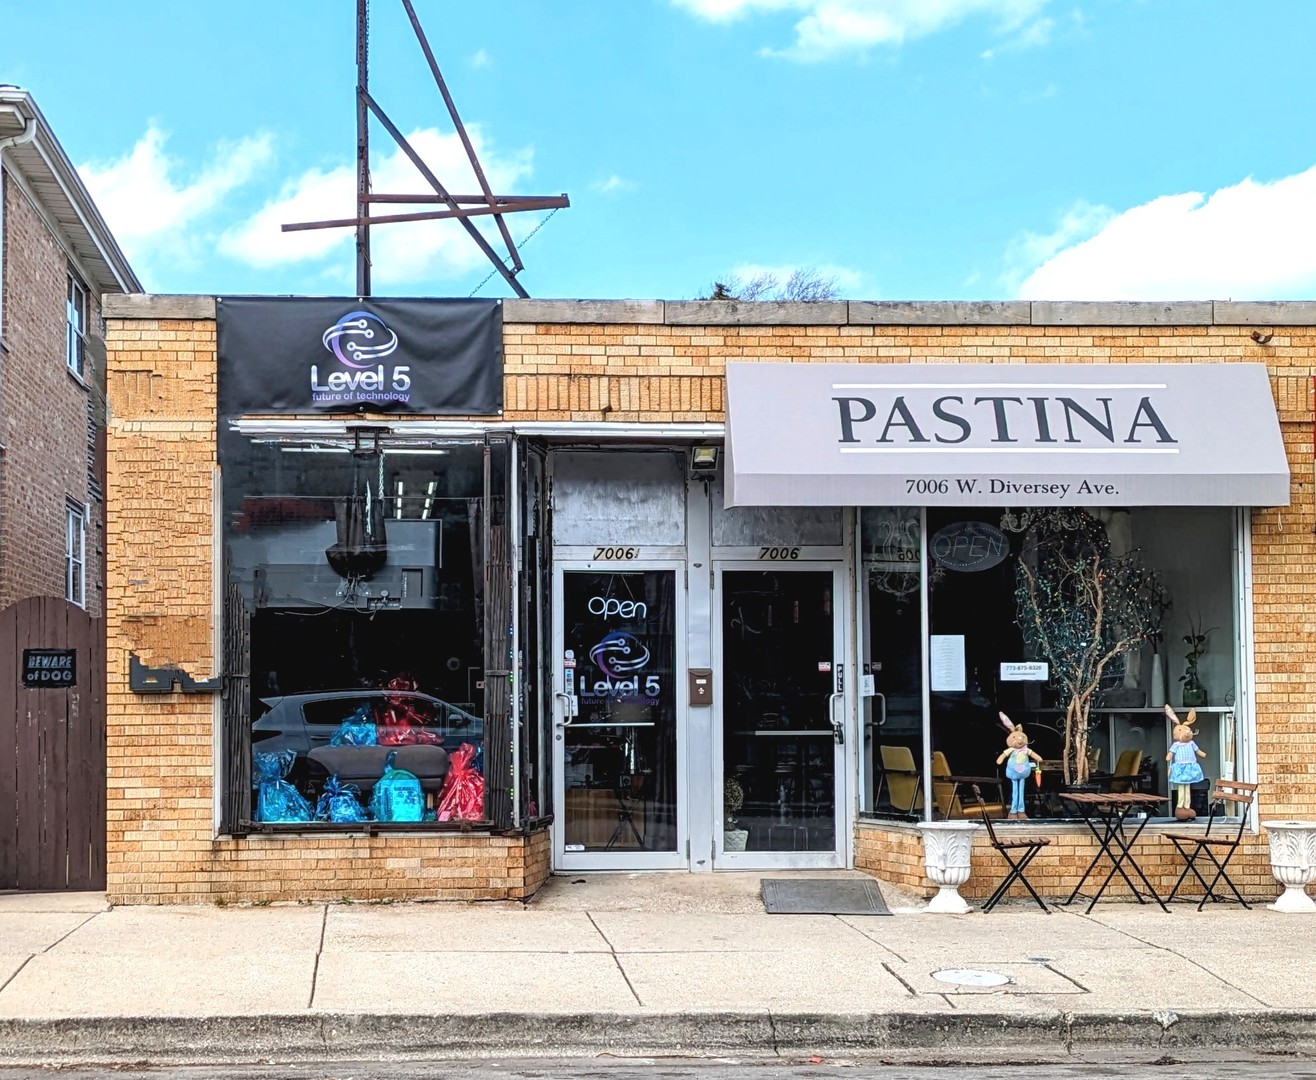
<point x="703" y="459"/>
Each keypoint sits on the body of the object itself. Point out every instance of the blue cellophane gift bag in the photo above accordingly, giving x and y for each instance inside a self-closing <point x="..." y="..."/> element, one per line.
<point x="276" y="799"/>
<point x="358" y="729"/>
<point x="340" y="802"/>
<point x="397" y="795"/>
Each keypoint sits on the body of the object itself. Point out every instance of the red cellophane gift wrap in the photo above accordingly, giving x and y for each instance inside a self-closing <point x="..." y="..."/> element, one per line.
<point x="398" y="721"/>
<point x="463" y="791"/>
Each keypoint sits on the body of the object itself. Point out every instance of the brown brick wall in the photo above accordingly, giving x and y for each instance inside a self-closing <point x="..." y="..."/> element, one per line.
<point x="162" y="554"/>
<point x="43" y="415"/>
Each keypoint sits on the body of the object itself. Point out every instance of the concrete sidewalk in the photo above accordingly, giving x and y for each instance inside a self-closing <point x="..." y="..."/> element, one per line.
<point x="640" y="963"/>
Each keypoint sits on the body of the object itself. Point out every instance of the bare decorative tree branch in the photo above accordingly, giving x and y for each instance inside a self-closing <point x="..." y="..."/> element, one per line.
<point x="1081" y="608"/>
<point x="804" y="285"/>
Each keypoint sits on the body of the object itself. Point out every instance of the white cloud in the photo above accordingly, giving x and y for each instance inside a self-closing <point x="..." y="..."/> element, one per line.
<point x="157" y="218"/>
<point x="833" y="27"/>
<point x="480" y="59"/>
<point x="401" y="254"/>
<point x="614" y="184"/>
<point x="1030" y="250"/>
<point x="1033" y="36"/>
<point x="1251" y="241"/>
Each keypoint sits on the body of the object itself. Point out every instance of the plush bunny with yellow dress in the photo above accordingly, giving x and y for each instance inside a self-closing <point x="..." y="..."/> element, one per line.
<point x="1184" y="768"/>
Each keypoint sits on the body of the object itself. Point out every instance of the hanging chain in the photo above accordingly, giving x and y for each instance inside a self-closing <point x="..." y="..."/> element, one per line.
<point x="527" y="240"/>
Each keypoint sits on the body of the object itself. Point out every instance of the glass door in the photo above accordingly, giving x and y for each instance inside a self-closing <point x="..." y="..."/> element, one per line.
<point x="780" y="716"/>
<point x="618" y="719"/>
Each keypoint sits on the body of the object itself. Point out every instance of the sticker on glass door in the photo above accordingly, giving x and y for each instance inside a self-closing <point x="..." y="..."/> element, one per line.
<point x="619" y="741"/>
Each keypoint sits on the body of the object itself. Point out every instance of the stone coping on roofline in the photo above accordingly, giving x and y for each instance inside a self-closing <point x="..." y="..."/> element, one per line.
<point x="827" y="313"/>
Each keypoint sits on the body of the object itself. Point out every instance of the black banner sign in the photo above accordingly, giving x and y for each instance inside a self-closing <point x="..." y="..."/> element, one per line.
<point x="307" y="355"/>
<point x="50" y="669"/>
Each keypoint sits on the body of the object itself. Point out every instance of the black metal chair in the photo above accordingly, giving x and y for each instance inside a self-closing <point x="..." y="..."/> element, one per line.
<point x="1017" y="853"/>
<point x="1205" y="846"/>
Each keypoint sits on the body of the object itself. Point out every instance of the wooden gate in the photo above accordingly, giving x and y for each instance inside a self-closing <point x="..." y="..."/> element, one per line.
<point x="52" y="746"/>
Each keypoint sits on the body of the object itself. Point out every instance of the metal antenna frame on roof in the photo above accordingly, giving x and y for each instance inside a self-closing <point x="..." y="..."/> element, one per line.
<point x="460" y="207"/>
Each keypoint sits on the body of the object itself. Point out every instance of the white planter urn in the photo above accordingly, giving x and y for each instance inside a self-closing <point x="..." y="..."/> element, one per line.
<point x="947" y="848"/>
<point x="1293" y="862"/>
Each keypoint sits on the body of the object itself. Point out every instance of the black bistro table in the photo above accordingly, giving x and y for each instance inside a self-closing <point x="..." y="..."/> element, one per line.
<point x="1106" y="815"/>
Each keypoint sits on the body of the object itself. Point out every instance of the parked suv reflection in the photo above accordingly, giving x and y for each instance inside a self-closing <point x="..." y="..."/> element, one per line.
<point x="412" y="724"/>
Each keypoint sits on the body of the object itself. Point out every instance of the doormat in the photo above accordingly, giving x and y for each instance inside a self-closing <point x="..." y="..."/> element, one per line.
<point x="821" y="896"/>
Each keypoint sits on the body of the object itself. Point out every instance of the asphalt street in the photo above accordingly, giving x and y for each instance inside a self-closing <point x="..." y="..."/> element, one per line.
<point x="740" y="1068"/>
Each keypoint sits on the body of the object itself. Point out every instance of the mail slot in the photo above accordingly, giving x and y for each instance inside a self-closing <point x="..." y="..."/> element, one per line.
<point x="701" y="686"/>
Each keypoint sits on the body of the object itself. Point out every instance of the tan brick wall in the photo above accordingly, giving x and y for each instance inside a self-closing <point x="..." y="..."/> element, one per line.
<point x="43" y="415"/>
<point x="161" y="557"/>
<point x="894" y="852"/>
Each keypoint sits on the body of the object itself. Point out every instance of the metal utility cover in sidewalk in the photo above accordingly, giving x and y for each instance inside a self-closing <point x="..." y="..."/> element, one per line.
<point x="816" y="896"/>
<point x="1003" y="435"/>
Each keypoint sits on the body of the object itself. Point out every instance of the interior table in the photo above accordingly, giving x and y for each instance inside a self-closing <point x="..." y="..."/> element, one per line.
<point x="1106" y="815"/>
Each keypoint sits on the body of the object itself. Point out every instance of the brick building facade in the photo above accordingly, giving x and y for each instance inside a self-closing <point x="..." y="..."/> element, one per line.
<point x="635" y="374"/>
<point x="52" y="418"/>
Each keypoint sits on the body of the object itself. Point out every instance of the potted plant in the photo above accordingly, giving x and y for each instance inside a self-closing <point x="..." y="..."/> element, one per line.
<point x="1080" y="607"/>
<point x="733" y="798"/>
<point x="1194" y="691"/>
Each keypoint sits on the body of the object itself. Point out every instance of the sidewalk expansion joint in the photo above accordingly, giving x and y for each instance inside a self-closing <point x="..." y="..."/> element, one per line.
<point x="73" y="931"/>
<point x="15" y="974"/>
<point x="871" y="940"/>
<point x="772" y="1027"/>
<point x="1187" y="959"/>
<point x="1068" y="978"/>
<point x="895" y="975"/>
<point x="315" y="971"/>
<point x="615" y="959"/>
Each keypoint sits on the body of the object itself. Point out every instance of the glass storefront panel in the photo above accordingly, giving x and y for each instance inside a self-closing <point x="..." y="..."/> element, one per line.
<point x="891" y="636"/>
<point x="360" y="563"/>
<point x="778" y="742"/>
<point x="620" y="749"/>
<point x="982" y="662"/>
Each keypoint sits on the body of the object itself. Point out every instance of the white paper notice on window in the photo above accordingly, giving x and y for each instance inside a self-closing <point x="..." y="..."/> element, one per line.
<point x="1026" y="671"/>
<point x="947" y="656"/>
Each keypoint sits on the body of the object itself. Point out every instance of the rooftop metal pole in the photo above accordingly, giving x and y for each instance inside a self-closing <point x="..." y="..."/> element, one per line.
<point x="362" y="148"/>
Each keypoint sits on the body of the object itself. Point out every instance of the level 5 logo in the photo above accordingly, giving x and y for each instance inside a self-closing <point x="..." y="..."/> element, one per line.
<point x="358" y="341"/>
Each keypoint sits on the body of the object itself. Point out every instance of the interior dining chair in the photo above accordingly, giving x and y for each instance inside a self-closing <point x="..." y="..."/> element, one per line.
<point x="946" y="797"/>
<point x="904" y="782"/>
<point x="1128" y="764"/>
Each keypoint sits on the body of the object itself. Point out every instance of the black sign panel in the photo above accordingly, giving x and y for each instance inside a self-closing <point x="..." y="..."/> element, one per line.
<point x="307" y="355"/>
<point x="50" y="669"/>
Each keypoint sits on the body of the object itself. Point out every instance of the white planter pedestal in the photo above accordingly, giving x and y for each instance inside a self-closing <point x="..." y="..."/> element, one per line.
<point x="947" y="847"/>
<point x="1293" y="862"/>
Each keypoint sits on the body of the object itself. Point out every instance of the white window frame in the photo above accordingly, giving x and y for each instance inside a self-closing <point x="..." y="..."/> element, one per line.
<point x="75" y="554"/>
<point x="75" y="325"/>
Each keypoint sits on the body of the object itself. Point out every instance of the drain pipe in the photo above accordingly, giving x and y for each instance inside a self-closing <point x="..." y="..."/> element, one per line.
<point x="28" y="133"/>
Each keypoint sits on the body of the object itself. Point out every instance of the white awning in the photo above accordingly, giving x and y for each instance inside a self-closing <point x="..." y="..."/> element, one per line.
<point x="1003" y="435"/>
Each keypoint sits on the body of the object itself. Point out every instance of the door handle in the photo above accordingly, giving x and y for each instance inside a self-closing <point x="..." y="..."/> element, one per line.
<point x="838" y="730"/>
<point x="568" y="701"/>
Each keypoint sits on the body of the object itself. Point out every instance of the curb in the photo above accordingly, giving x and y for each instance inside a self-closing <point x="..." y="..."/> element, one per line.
<point x="329" y="1037"/>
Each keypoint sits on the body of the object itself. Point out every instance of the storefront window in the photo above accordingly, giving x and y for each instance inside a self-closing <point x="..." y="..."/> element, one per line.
<point x="981" y="662"/>
<point x="357" y="566"/>
<point x="892" y="638"/>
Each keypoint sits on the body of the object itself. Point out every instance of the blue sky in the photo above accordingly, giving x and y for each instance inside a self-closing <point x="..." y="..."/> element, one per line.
<point x="932" y="149"/>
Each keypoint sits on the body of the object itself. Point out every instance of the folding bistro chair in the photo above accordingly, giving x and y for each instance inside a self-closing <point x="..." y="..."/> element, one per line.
<point x="1018" y="853"/>
<point x="1205" y="846"/>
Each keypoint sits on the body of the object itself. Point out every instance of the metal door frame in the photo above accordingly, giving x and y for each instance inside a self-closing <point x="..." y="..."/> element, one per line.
<point x="679" y="859"/>
<point x="842" y="711"/>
